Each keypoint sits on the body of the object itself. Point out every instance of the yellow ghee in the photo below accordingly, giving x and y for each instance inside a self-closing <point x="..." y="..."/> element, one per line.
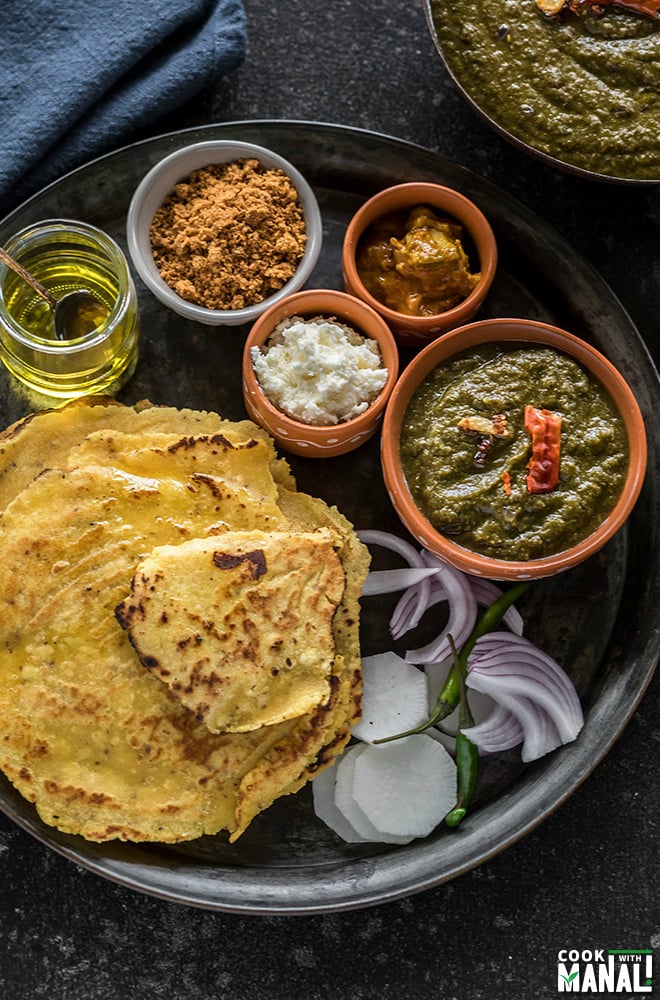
<point x="66" y="256"/>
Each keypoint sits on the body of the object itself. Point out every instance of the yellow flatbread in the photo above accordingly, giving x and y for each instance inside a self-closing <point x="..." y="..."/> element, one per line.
<point x="239" y="626"/>
<point x="43" y="440"/>
<point x="101" y="746"/>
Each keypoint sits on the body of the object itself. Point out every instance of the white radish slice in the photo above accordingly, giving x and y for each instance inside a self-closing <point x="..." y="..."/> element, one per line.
<point x="394" y="697"/>
<point x="447" y="741"/>
<point x="405" y="788"/>
<point x="323" y="796"/>
<point x="436" y="675"/>
<point x="347" y="805"/>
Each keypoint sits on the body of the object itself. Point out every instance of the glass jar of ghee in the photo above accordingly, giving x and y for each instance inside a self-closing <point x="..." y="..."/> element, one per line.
<point x="66" y="256"/>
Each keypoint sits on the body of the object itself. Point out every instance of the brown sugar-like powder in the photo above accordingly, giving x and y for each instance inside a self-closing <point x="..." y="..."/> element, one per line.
<point x="230" y="235"/>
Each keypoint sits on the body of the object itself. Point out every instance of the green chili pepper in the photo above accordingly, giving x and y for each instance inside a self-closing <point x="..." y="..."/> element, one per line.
<point x="466" y="753"/>
<point x="449" y="697"/>
<point x="467" y="769"/>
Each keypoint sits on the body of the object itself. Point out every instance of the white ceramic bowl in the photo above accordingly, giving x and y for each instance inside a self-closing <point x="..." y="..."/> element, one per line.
<point x="159" y="183"/>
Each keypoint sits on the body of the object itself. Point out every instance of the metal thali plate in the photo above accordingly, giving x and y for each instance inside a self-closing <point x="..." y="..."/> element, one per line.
<point x="597" y="620"/>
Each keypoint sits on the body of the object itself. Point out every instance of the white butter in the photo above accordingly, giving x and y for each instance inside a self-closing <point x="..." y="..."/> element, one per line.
<point x="318" y="371"/>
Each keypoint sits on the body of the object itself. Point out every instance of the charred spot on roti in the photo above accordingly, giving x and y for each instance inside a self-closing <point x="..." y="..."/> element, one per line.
<point x="267" y="620"/>
<point x="255" y="560"/>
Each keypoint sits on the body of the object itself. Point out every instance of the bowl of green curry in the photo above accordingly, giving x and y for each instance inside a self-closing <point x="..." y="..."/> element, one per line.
<point x="512" y="449"/>
<point x="573" y="82"/>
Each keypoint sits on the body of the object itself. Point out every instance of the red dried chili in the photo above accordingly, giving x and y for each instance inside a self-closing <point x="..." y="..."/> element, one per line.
<point x="544" y="428"/>
<point x="564" y="8"/>
<point x="651" y="8"/>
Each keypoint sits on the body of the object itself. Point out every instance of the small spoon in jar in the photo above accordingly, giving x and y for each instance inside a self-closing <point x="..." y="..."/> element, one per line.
<point x="74" y="315"/>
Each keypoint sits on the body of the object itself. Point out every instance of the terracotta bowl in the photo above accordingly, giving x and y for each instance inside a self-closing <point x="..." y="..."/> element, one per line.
<point x="306" y="439"/>
<point x="416" y="331"/>
<point x="526" y="332"/>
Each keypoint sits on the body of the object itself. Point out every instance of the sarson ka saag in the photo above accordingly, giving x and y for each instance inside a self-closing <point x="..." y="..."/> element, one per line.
<point x="576" y="82"/>
<point x="514" y="452"/>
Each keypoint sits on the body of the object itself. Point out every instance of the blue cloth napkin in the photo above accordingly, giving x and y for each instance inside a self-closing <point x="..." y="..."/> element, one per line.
<point x="78" y="79"/>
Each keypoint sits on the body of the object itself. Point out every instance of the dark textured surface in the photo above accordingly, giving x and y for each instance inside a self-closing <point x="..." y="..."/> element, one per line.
<point x="588" y="877"/>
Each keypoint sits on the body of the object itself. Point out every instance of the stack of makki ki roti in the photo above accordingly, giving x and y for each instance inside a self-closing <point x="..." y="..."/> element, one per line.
<point x="178" y="624"/>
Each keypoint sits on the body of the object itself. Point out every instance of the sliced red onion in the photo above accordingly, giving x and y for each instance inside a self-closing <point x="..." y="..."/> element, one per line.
<point x="371" y="536"/>
<point x="424" y="592"/>
<point x="462" y="614"/>
<point x="410" y="609"/>
<point x="388" y="581"/>
<point x="387" y="540"/>
<point x="517" y="661"/>
<point x="521" y="678"/>
<point x="534" y="700"/>
<point x="539" y="735"/>
<point x="487" y="592"/>
<point x="499" y="731"/>
<point x="531" y="685"/>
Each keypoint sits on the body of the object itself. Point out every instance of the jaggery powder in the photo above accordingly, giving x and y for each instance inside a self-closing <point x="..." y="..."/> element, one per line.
<point x="229" y="235"/>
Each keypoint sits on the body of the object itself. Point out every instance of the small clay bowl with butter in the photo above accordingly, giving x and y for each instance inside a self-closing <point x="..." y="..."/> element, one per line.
<point x="535" y="458"/>
<point x="327" y="376"/>
<point x="220" y="248"/>
<point x="437" y="277"/>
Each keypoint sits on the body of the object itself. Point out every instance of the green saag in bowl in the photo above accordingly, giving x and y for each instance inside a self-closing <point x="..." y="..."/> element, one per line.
<point x="578" y="88"/>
